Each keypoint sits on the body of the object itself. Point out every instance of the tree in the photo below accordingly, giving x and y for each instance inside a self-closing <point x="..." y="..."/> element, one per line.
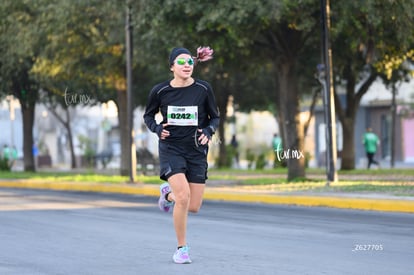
<point x="70" y="63"/>
<point x="21" y="38"/>
<point x="395" y="70"/>
<point x="86" y="53"/>
<point x="364" y="33"/>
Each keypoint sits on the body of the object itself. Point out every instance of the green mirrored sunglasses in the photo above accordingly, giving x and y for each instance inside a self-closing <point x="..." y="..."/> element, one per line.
<point x="182" y="61"/>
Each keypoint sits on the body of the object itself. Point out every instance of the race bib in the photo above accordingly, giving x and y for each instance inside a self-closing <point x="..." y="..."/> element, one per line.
<point x="182" y="115"/>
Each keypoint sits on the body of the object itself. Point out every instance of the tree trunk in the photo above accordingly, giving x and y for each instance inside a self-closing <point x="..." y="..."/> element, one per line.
<point x="123" y="131"/>
<point x="347" y="115"/>
<point x="221" y="162"/>
<point x="27" y="93"/>
<point x="28" y="121"/>
<point x="222" y="96"/>
<point x="348" y="147"/>
<point x="70" y="137"/>
<point x="393" y="123"/>
<point x="66" y="125"/>
<point x="292" y="130"/>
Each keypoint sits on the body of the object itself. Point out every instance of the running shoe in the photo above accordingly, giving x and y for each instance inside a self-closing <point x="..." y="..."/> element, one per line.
<point x="181" y="256"/>
<point x="163" y="204"/>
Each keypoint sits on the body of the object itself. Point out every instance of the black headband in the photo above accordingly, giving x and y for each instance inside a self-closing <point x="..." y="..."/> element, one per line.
<point x="176" y="52"/>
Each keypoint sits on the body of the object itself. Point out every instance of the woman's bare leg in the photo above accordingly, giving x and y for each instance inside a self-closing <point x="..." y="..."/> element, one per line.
<point x="196" y="196"/>
<point x="181" y="196"/>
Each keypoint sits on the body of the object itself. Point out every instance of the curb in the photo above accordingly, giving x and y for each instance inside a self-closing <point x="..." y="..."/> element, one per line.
<point x="386" y="205"/>
<point x="132" y="189"/>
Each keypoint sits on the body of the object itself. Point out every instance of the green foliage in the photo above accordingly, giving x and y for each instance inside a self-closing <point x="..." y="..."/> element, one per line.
<point x="4" y="164"/>
<point x="87" y="146"/>
<point x="84" y="58"/>
<point x="230" y="155"/>
<point x="361" y="32"/>
<point x="85" y="51"/>
<point x="261" y="161"/>
<point x="257" y="158"/>
<point x="250" y="157"/>
<point x="279" y="163"/>
<point x="20" y="40"/>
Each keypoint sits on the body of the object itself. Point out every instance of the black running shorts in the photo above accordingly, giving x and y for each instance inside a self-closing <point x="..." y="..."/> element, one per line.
<point x="183" y="158"/>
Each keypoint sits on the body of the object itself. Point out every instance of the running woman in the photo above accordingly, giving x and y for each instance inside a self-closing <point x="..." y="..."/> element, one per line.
<point x="189" y="119"/>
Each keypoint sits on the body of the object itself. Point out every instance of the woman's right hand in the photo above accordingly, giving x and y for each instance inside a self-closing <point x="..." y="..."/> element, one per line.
<point x="164" y="133"/>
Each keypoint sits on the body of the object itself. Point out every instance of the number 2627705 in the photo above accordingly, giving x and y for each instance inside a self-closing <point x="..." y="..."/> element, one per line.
<point x="368" y="247"/>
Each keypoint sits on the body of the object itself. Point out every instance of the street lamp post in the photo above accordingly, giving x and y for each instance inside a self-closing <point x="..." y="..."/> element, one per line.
<point x="328" y="97"/>
<point x="10" y="98"/>
<point x="130" y="119"/>
<point x="393" y="121"/>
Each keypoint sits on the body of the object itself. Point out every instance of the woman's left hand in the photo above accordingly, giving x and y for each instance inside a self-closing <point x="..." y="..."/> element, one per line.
<point x="203" y="139"/>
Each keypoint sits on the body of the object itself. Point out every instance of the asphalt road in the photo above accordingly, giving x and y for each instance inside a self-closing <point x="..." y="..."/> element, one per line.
<point x="50" y="232"/>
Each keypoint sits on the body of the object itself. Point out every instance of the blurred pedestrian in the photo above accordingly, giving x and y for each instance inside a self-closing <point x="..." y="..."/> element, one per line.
<point x="35" y="152"/>
<point x="190" y="118"/>
<point x="371" y="142"/>
<point x="277" y="150"/>
<point x="235" y="145"/>
<point x="13" y="156"/>
<point x="6" y="154"/>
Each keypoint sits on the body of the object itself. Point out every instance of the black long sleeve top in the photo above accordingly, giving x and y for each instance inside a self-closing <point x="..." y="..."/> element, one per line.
<point x="199" y="94"/>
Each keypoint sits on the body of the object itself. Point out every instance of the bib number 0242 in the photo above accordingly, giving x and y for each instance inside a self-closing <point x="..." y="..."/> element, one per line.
<point x="182" y="115"/>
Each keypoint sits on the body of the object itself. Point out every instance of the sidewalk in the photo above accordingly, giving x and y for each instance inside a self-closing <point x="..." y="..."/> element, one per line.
<point x="234" y="193"/>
